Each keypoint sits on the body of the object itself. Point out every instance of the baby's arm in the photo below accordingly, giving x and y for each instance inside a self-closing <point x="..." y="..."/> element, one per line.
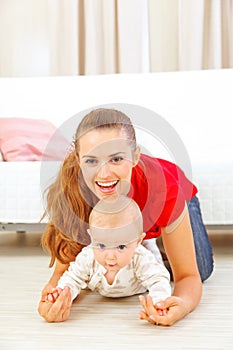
<point x="156" y="279"/>
<point x="77" y="276"/>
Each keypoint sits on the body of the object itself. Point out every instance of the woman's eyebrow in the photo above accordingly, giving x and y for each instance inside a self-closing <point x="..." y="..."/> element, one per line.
<point x="116" y="154"/>
<point x="88" y="156"/>
<point x="110" y="155"/>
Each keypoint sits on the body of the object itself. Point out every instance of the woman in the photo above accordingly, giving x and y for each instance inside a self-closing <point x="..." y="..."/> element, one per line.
<point x="106" y="161"/>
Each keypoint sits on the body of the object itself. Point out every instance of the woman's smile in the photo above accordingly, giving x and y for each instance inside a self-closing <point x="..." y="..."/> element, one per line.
<point x="108" y="186"/>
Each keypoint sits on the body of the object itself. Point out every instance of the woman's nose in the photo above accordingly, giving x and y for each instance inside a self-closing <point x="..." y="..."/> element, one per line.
<point x="104" y="170"/>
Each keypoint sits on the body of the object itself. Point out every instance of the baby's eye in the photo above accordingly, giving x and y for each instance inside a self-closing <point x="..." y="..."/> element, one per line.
<point x="101" y="246"/>
<point x="121" y="247"/>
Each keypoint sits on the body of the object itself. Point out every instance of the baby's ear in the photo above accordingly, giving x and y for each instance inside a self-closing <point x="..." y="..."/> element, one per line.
<point x="140" y="239"/>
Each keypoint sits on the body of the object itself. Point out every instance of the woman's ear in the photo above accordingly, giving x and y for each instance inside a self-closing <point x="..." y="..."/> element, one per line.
<point x="136" y="156"/>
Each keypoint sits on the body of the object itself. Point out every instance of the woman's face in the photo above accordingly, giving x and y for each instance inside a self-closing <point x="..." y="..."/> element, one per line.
<point x="106" y="160"/>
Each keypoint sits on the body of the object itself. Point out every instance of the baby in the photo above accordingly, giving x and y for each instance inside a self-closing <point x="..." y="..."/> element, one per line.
<point x="115" y="264"/>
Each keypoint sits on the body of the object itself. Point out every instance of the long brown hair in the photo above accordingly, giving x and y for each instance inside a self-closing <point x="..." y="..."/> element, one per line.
<point x="67" y="209"/>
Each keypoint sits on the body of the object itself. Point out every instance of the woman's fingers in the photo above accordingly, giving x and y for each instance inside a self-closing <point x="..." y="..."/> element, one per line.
<point x="173" y="309"/>
<point x="63" y="300"/>
<point x="44" y="307"/>
<point x="142" y="301"/>
<point x="150" y="313"/>
<point x="143" y="316"/>
<point x="156" y="319"/>
<point x="59" y="310"/>
<point x="148" y="305"/>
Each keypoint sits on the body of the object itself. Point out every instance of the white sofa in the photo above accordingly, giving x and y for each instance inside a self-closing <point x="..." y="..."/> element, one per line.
<point x="196" y="106"/>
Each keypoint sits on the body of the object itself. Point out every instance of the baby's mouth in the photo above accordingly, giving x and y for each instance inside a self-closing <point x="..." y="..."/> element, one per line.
<point x="111" y="265"/>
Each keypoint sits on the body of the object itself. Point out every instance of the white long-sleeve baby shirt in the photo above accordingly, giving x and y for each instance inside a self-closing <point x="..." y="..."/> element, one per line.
<point x="143" y="273"/>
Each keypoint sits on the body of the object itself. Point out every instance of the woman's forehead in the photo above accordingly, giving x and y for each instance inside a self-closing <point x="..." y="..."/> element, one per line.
<point x="99" y="141"/>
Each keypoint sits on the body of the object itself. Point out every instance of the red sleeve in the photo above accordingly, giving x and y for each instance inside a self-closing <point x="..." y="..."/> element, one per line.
<point x="160" y="188"/>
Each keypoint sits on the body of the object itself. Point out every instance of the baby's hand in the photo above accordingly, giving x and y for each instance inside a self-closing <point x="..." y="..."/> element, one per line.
<point x="53" y="295"/>
<point x="161" y="312"/>
<point x="175" y="309"/>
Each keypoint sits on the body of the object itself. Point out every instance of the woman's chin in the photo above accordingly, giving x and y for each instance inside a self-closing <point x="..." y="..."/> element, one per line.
<point x="104" y="193"/>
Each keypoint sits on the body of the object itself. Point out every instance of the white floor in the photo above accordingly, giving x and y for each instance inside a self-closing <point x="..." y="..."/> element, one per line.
<point x="101" y="323"/>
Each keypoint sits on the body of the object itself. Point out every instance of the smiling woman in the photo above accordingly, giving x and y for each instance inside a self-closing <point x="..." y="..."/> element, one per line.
<point x="106" y="163"/>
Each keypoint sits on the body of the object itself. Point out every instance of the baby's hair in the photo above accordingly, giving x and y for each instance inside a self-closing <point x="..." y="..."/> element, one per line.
<point x="116" y="213"/>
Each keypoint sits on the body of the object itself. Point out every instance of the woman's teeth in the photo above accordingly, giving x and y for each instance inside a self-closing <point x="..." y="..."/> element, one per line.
<point x="106" y="184"/>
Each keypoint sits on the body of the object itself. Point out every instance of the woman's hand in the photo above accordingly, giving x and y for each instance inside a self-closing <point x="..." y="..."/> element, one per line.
<point x="57" y="310"/>
<point x="164" y="313"/>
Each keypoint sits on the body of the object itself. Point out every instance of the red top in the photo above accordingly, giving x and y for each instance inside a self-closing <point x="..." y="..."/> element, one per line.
<point x="160" y="188"/>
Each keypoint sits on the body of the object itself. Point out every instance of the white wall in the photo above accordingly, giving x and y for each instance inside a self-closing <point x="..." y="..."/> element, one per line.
<point x="24" y="38"/>
<point x="197" y="105"/>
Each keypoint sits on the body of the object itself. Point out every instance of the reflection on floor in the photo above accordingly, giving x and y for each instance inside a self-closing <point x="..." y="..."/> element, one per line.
<point x="102" y="323"/>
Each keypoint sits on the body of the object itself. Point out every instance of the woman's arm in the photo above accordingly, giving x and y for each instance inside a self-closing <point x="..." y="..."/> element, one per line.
<point x="57" y="273"/>
<point x="60" y="310"/>
<point x="179" y="247"/>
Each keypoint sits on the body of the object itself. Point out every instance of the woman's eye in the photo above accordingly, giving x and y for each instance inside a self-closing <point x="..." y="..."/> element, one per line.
<point x="101" y="246"/>
<point x="91" y="161"/>
<point x="121" y="247"/>
<point x="117" y="159"/>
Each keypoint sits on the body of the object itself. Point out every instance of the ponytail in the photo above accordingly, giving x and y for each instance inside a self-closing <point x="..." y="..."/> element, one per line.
<point x="68" y="212"/>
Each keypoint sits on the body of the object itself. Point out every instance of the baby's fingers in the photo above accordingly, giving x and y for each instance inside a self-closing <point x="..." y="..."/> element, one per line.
<point x="50" y="297"/>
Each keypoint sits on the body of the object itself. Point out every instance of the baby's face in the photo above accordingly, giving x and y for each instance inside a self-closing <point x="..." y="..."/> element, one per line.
<point x="115" y="237"/>
<point x="114" y="259"/>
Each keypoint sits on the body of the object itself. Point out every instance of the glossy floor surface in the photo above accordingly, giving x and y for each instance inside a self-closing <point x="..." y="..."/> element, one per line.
<point x="100" y="323"/>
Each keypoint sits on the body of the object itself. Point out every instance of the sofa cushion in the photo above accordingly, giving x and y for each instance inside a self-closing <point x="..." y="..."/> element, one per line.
<point x="24" y="139"/>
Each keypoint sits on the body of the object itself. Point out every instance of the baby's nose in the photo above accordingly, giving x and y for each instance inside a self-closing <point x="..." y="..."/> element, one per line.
<point x="110" y="254"/>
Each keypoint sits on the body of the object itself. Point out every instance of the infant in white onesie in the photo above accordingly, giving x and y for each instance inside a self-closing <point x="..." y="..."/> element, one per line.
<point x="116" y="264"/>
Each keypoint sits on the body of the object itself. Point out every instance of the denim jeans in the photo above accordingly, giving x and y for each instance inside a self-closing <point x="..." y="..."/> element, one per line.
<point x="204" y="253"/>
